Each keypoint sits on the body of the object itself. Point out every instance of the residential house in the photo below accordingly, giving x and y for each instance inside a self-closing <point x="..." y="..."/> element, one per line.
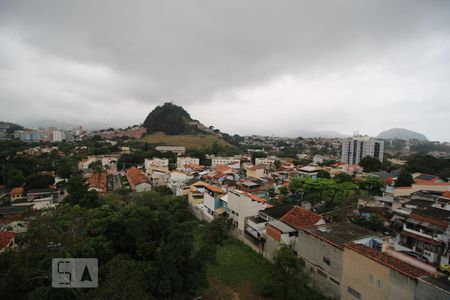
<point x="268" y="161"/>
<point x="97" y="182"/>
<point x="137" y="180"/>
<point x="257" y="186"/>
<point x="322" y="247"/>
<point x="257" y="171"/>
<point x="214" y="205"/>
<point x="185" y="188"/>
<point x="277" y="234"/>
<point x="17" y="193"/>
<point x="242" y="205"/>
<point x="256" y="226"/>
<point x="426" y="231"/>
<point x="158" y="176"/>
<point x="308" y="172"/>
<point x="176" y="180"/>
<point x="162" y="163"/>
<point x="370" y="274"/>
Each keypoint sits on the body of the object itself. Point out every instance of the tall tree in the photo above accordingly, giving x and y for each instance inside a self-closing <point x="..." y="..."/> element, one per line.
<point x="404" y="179"/>
<point x="289" y="270"/>
<point x="14" y="177"/>
<point x="370" y="164"/>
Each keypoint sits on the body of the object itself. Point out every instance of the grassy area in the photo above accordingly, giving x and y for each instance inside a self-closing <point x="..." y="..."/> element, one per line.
<point x="190" y="141"/>
<point x="241" y="273"/>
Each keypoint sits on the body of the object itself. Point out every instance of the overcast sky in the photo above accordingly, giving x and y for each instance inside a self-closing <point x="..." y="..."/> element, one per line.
<point x="247" y="67"/>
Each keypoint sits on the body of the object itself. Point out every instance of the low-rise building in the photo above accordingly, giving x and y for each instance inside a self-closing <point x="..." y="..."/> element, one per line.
<point x="17" y="193"/>
<point x="427" y="232"/>
<point x="309" y="172"/>
<point x="322" y="247"/>
<point x="268" y="161"/>
<point x="187" y="160"/>
<point x="156" y="162"/>
<point x="370" y="274"/>
<point x="137" y="180"/>
<point x="257" y="171"/>
<point x="242" y="205"/>
<point x="97" y="182"/>
<point x="278" y="234"/>
<point x="225" y="161"/>
<point x="175" y="149"/>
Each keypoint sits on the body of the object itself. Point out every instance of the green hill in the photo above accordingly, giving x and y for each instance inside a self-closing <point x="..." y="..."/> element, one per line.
<point x="190" y="141"/>
<point x="170" y="119"/>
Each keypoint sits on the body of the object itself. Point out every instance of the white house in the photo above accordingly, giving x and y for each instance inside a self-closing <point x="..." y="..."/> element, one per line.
<point x="242" y="205"/>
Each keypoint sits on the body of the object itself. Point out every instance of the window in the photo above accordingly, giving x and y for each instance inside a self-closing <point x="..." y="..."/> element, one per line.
<point x="322" y="273"/>
<point x="354" y="293"/>
<point x="334" y="281"/>
<point x="378" y="284"/>
<point x="370" y="279"/>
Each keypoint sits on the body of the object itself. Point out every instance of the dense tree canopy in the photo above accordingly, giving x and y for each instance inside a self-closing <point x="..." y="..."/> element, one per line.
<point x="404" y="179"/>
<point x="429" y="165"/>
<point x="370" y="164"/>
<point x="168" y="118"/>
<point x="144" y="243"/>
<point x="39" y="181"/>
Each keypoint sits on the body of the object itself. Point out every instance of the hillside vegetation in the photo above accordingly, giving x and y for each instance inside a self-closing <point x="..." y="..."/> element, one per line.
<point x="170" y="119"/>
<point x="190" y="141"/>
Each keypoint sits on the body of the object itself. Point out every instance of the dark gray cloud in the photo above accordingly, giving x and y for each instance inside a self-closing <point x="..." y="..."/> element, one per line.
<point x="244" y="66"/>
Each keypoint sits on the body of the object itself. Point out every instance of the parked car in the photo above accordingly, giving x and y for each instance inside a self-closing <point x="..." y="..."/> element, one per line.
<point x="445" y="269"/>
<point x="416" y="255"/>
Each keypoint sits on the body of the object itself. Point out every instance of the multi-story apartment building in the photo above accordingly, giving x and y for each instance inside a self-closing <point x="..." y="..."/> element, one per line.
<point x="265" y="160"/>
<point x="354" y="149"/>
<point x="185" y="160"/>
<point x="156" y="162"/>
<point x="225" y="160"/>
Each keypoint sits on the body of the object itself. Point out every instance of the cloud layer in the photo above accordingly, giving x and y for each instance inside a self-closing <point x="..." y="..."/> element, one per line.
<point x="268" y="67"/>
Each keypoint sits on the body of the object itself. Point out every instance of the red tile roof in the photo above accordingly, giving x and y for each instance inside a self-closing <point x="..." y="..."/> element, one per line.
<point x="257" y="167"/>
<point x="135" y="177"/>
<point x="98" y="181"/>
<point x="222" y="168"/>
<point x="389" y="261"/>
<point x="6" y="237"/>
<point x="255" y="198"/>
<point x="17" y="191"/>
<point x="210" y="187"/>
<point x="299" y="217"/>
<point x="446" y="194"/>
<point x="421" y="238"/>
<point x="430" y="220"/>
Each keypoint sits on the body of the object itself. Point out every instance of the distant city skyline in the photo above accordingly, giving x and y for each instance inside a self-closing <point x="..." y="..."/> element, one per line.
<point x="245" y="67"/>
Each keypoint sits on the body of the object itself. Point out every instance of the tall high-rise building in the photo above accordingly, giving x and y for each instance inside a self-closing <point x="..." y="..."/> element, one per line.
<point x="354" y="149"/>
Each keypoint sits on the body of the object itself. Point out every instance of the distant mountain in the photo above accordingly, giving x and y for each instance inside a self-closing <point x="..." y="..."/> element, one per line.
<point x="9" y="128"/>
<point x="402" y="134"/>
